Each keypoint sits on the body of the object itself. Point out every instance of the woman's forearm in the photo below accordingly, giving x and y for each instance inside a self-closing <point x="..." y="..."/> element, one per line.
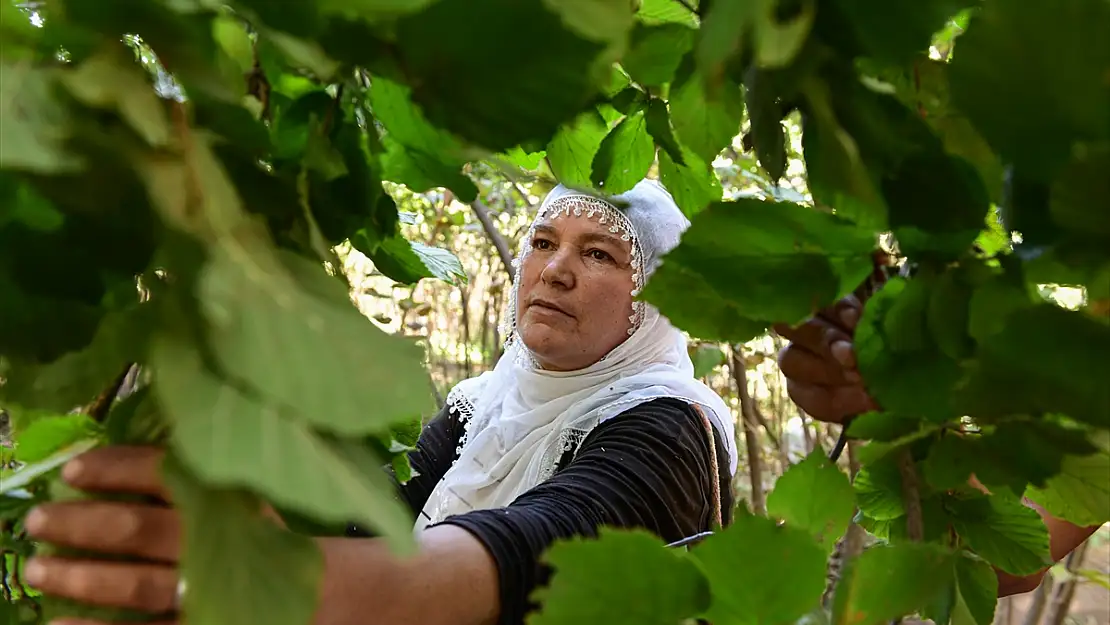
<point x="452" y="580"/>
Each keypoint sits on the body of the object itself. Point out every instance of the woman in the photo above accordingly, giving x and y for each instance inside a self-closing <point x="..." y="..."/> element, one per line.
<point x="591" y="417"/>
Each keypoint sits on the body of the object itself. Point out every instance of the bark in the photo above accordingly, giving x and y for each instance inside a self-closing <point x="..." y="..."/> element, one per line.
<point x="1040" y="599"/>
<point x="751" y="432"/>
<point x="1063" y="592"/>
<point x="499" y="242"/>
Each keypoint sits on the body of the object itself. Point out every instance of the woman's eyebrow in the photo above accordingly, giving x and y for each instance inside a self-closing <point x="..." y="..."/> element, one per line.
<point x="601" y="237"/>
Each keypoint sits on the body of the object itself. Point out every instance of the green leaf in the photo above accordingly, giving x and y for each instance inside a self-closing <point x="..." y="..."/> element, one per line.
<point x="878" y="488"/>
<point x="1080" y="493"/>
<point x="231" y="439"/>
<point x="77" y="378"/>
<point x="240" y="565"/>
<point x="646" y="582"/>
<point x="900" y="369"/>
<point x="691" y="303"/>
<point x="655" y="52"/>
<point x="765" y="113"/>
<point x="111" y="81"/>
<point x="814" y="495"/>
<point x="666" y="12"/>
<point x="1071" y="98"/>
<point x="769" y="261"/>
<point x="543" y="77"/>
<point x="911" y="576"/>
<point x="30" y="472"/>
<point x="977" y="585"/>
<point x="786" y="585"/>
<point x="33" y="124"/>
<point x="706" y="123"/>
<point x="1003" y="531"/>
<point x="707" y="358"/>
<point x="659" y="127"/>
<point x="441" y="263"/>
<point x="895" y="31"/>
<point x="693" y="184"/>
<point x="45" y="436"/>
<point x="277" y="338"/>
<point x="1067" y="376"/>
<point x="624" y="157"/>
<point x="571" y="152"/>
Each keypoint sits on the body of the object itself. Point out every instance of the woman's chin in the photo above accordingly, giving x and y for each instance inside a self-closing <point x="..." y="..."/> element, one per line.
<point x="542" y="339"/>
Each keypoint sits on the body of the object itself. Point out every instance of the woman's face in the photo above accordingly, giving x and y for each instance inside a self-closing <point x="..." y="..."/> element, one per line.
<point x="575" y="292"/>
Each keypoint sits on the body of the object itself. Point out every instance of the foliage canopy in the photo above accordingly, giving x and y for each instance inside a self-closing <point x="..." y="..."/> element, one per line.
<point x="175" y="173"/>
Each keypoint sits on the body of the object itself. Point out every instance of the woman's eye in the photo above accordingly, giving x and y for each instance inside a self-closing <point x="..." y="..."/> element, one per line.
<point x="600" y="255"/>
<point x="541" y="244"/>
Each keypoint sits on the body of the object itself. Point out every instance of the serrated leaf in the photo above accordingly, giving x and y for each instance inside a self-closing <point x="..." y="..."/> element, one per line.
<point x="787" y="584"/>
<point x="275" y="337"/>
<point x="273" y="574"/>
<point x="977" y="585"/>
<point x="763" y="261"/>
<point x="647" y="583"/>
<point x="705" y="123"/>
<point x="706" y="358"/>
<point x="1071" y="99"/>
<point x="911" y="576"/>
<point x="899" y="367"/>
<point x="624" y="156"/>
<point x="666" y="12"/>
<point x="230" y="439"/>
<point x="1007" y="381"/>
<point x="655" y="52"/>
<point x="1080" y="493"/>
<point x="693" y="184"/>
<point x="814" y="495"/>
<point x="109" y="80"/>
<point x="878" y="488"/>
<point x="442" y="263"/>
<point x="659" y="127"/>
<point x="571" y="152"/>
<point x="543" y="77"/>
<point x="896" y="31"/>
<point x="1004" y="532"/>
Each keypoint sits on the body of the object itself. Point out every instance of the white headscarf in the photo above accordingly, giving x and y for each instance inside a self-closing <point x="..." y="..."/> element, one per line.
<point x="520" y="419"/>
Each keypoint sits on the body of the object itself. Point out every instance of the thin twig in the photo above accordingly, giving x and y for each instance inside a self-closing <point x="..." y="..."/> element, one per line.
<point x="98" y="410"/>
<point x="495" y="236"/>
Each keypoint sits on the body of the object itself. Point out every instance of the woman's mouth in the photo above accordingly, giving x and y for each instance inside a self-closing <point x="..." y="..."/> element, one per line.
<point x="549" y="306"/>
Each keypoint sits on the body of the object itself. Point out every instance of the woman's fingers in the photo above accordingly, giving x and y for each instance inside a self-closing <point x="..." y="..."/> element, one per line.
<point x="832" y="404"/>
<point x="802" y="365"/>
<point x="148" y="532"/>
<point x="148" y="588"/>
<point x="118" y="469"/>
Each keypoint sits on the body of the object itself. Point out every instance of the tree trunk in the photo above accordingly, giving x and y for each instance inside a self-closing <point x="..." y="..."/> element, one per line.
<point x="751" y="432"/>
<point x="1040" y="599"/>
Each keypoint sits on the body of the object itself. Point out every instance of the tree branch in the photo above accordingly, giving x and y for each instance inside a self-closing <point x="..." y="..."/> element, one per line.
<point x="499" y="242"/>
<point x="911" y="496"/>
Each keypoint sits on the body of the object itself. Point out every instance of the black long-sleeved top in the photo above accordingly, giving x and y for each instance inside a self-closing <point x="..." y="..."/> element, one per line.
<point x="650" y="468"/>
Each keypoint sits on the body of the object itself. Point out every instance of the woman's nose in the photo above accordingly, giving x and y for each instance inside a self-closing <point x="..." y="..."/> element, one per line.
<point x="559" y="271"/>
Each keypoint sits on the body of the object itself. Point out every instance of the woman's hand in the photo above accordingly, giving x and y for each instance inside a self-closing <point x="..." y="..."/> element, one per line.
<point x="820" y="363"/>
<point x="151" y="532"/>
